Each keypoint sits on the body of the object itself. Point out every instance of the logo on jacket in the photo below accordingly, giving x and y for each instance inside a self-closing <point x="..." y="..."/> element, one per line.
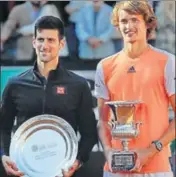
<point x="60" y="90"/>
<point x="131" y="70"/>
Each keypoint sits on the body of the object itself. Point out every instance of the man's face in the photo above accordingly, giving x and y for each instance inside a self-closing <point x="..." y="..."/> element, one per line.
<point x="132" y="27"/>
<point x="47" y="44"/>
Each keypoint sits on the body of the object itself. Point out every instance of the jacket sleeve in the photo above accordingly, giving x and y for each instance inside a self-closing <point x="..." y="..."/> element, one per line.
<point x="87" y="125"/>
<point x="108" y="34"/>
<point x="10" y="24"/>
<point x="81" y="33"/>
<point x="7" y="116"/>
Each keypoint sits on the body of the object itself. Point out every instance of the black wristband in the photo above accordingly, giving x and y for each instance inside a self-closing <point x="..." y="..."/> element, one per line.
<point x="158" y="145"/>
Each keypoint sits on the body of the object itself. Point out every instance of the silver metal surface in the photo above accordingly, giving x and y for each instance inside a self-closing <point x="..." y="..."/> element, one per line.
<point x="124" y="131"/>
<point x="124" y="103"/>
<point x="124" y="127"/>
<point x="43" y="146"/>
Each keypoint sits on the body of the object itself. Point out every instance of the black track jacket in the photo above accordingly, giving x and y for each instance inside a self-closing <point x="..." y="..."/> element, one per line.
<point x="63" y="94"/>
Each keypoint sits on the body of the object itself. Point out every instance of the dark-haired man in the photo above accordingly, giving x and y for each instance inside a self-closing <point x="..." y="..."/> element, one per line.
<point x="35" y="92"/>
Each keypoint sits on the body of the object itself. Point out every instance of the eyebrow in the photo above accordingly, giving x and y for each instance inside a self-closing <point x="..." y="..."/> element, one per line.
<point x="123" y="19"/>
<point x="132" y="17"/>
<point x="49" y="38"/>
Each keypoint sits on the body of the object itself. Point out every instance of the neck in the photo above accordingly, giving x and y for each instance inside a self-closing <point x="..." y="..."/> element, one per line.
<point x="134" y="50"/>
<point x="45" y="67"/>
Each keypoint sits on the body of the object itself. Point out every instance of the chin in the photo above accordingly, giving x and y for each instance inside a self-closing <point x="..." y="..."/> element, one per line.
<point x="44" y="57"/>
<point x="131" y="40"/>
<point x="45" y="60"/>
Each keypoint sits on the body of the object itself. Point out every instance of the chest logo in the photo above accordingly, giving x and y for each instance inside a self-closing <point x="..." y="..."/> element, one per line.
<point x="60" y="90"/>
<point x="131" y="70"/>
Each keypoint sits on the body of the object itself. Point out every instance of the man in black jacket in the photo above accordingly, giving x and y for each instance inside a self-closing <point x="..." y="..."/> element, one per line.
<point x="48" y="88"/>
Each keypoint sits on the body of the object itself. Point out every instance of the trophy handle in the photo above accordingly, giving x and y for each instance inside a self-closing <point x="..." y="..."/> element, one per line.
<point x="112" y="123"/>
<point x="137" y="125"/>
<point x="125" y="143"/>
<point x="113" y="108"/>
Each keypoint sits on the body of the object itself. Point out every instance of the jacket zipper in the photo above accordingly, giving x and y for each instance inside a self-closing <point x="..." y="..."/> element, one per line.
<point x="44" y="99"/>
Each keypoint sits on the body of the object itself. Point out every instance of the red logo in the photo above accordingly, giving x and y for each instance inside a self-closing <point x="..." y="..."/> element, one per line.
<point x="60" y="90"/>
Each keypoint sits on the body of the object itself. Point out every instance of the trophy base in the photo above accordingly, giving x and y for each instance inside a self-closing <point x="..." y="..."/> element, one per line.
<point x="123" y="161"/>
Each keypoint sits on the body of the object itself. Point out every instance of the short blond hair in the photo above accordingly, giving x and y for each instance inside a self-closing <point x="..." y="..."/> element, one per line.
<point x="141" y="7"/>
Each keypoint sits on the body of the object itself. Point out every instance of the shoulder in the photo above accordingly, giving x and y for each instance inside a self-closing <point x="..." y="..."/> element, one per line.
<point x="106" y="66"/>
<point x="108" y="62"/>
<point x="163" y="55"/>
<point x="20" y="77"/>
<point x="13" y="82"/>
<point x="75" y="78"/>
<point x="24" y="75"/>
<point x="17" y="9"/>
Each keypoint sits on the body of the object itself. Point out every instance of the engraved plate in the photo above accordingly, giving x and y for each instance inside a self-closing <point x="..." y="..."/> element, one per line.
<point x="43" y="146"/>
<point x="123" y="161"/>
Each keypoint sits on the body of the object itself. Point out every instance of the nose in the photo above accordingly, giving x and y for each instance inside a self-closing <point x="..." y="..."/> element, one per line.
<point x="45" y="44"/>
<point x="129" y="24"/>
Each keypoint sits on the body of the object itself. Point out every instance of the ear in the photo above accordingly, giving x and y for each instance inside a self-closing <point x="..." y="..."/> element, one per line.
<point x="62" y="43"/>
<point x="34" y="42"/>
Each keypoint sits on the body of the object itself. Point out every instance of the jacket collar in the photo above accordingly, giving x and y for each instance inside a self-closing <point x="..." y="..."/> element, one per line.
<point x="51" y="74"/>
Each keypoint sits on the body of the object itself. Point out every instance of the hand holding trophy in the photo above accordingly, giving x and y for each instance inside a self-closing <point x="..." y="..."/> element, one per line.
<point x="123" y="127"/>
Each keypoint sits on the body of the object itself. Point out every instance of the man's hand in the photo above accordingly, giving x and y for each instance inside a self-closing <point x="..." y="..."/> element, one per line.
<point x="143" y="158"/>
<point x="72" y="170"/>
<point x="94" y="42"/>
<point x="108" y="155"/>
<point x="10" y="167"/>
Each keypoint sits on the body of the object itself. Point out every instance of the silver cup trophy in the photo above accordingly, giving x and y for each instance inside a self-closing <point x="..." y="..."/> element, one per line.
<point x="123" y="127"/>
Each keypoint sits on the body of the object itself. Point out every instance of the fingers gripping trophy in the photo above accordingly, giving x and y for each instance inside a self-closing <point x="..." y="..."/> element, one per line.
<point x="123" y="127"/>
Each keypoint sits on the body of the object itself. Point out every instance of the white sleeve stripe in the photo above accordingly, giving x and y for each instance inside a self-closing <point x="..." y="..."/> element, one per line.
<point x="170" y="74"/>
<point x="101" y="90"/>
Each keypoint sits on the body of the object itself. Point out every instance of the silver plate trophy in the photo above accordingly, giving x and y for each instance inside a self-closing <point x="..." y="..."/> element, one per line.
<point x="43" y="146"/>
<point x="123" y="127"/>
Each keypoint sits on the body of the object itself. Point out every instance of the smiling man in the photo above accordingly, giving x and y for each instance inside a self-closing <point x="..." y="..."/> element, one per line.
<point x="138" y="72"/>
<point x="48" y="88"/>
